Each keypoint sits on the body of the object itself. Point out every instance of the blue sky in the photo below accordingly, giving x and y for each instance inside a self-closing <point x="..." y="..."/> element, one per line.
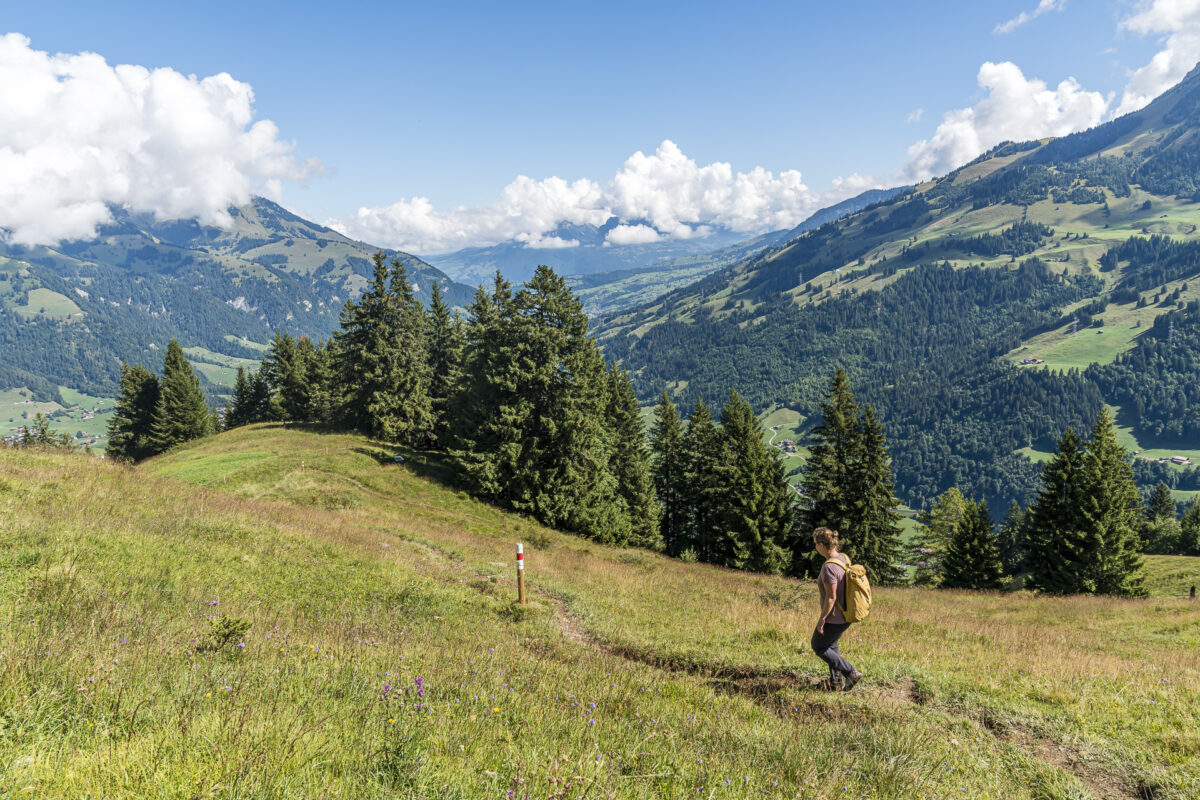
<point x="452" y="101"/>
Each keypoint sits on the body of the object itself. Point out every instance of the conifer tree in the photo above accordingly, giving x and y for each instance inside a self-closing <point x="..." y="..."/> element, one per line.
<point x="1083" y="526"/>
<point x="446" y="346"/>
<point x="1189" y="526"/>
<point x="827" y="475"/>
<point x="182" y="413"/>
<point x="938" y="526"/>
<point x="533" y="436"/>
<point x="381" y="352"/>
<point x="702" y="454"/>
<point x="753" y="508"/>
<point x="848" y="486"/>
<point x="320" y="378"/>
<point x="129" y="426"/>
<point x="239" y="404"/>
<point x="258" y="409"/>
<point x="1055" y="549"/>
<point x="1160" y="505"/>
<point x="1012" y="538"/>
<point x="1111" y="511"/>
<point x="973" y="558"/>
<point x="874" y="539"/>
<point x="630" y="461"/>
<point x="286" y="369"/>
<point x="484" y="441"/>
<point x="666" y="443"/>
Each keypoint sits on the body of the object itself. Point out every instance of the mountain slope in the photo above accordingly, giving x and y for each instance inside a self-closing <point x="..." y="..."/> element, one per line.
<point x="871" y="292"/>
<point x="69" y="315"/>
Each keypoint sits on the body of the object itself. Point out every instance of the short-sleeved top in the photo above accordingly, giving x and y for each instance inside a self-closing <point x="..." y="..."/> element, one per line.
<point x="833" y="574"/>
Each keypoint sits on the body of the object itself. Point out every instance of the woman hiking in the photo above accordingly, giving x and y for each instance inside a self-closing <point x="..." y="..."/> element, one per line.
<point x="832" y="622"/>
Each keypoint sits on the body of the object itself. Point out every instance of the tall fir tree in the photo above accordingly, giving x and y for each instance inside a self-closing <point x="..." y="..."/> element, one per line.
<point x="384" y="371"/>
<point x="1083" y="527"/>
<point x="1012" y="540"/>
<point x="129" y="427"/>
<point x="875" y="531"/>
<point x="1111" y="512"/>
<point x="702" y="454"/>
<point x="630" y="461"/>
<point x="533" y="437"/>
<point x="182" y="413"/>
<point x="238" y="407"/>
<point x="753" y="508"/>
<point x="320" y="379"/>
<point x="1160" y="505"/>
<point x="1189" y="527"/>
<point x="938" y="526"/>
<point x="848" y="486"/>
<point x="286" y="369"/>
<point x="487" y="401"/>
<point x="973" y="558"/>
<point x="666" y="443"/>
<point x="1055" y="552"/>
<point x="446" y="349"/>
<point x="827" y="476"/>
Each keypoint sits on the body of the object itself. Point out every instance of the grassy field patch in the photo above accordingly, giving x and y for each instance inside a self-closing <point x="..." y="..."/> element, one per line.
<point x="384" y="656"/>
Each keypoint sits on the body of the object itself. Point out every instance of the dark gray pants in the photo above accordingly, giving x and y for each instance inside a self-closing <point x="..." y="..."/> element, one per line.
<point x="825" y="645"/>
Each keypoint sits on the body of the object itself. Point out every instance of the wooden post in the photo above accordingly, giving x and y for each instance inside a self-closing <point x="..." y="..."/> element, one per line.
<point x="1193" y="591"/>
<point x="520" y="574"/>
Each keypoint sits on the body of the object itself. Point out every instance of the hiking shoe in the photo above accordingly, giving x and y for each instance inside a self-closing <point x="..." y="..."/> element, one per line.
<point x="851" y="680"/>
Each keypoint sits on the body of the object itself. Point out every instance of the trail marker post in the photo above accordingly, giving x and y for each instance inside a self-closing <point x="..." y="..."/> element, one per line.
<point x="520" y="574"/>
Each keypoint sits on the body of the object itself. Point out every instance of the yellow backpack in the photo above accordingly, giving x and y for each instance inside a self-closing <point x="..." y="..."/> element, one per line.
<point x="858" y="590"/>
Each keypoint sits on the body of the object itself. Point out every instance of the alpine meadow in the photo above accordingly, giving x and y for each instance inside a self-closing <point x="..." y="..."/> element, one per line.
<point x="705" y="480"/>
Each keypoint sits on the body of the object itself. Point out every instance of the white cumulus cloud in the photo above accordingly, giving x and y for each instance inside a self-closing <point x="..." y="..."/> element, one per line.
<point x="1029" y="16"/>
<point x="1015" y="108"/>
<point x="78" y="135"/>
<point x="661" y="195"/>
<point x="1178" y="21"/>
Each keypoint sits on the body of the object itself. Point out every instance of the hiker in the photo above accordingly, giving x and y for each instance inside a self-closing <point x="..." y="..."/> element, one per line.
<point x="831" y="624"/>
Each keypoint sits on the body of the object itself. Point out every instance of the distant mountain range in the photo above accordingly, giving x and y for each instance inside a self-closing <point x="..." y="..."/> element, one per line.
<point x="980" y="313"/>
<point x="69" y="315"/>
<point x="605" y="292"/>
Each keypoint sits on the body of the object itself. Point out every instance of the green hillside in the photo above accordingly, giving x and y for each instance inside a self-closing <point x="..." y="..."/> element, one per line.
<point x="981" y="313"/>
<point x="627" y="675"/>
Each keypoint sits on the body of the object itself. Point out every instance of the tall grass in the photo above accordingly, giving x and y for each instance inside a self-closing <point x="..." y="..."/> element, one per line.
<point x="627" y="675"/>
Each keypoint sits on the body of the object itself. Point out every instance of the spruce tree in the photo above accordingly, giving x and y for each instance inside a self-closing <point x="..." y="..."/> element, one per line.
<point x="319" y="358"/>
<point x="258" y="407"/>
<point x="1012" y="539"/>
<point x="753" y="508"/>
<point x="446" y="347"/>
<point x="533" y="436"/>
<point x="666" y="444"/>
<point x="827" y="482"/>
<point x="486" y="406"/>
<point x="129" y="426"/>
<point x="973" y="558"/>
<point x="938" y="526"/>
<point x="286" y="369"/>
<point x="1189" y="526"/>
<point x="1111" y="512"/>
<point x="239" y="404"/>
<point x="1055" y="547"/>
<point x="702" y="454"/>
<point x="848" y="486"/>
<point x="182" y="413"/>
<point x="630" y="461"/>
<point x="874" y="539"/>
<point x="1160" y="505"/>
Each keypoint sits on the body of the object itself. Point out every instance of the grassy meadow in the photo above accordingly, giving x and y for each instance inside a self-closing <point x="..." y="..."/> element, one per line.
<point x="384" y="656"/>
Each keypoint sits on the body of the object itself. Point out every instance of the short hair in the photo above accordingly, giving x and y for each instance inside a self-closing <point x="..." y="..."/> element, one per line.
<point x="826" y="536"/>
